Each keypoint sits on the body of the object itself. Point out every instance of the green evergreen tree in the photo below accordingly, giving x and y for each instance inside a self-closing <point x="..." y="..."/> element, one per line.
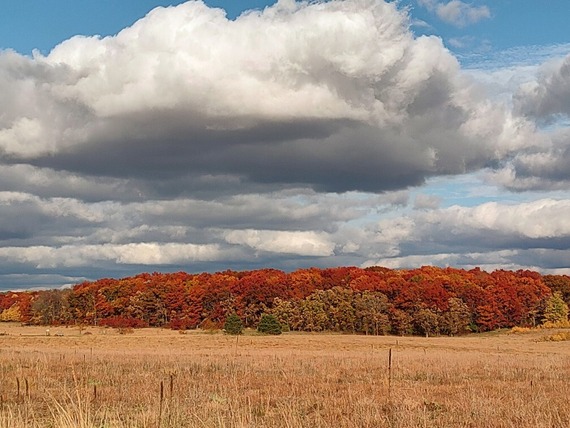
<point x="269" y="324"/>
<point x="233" y="324"/>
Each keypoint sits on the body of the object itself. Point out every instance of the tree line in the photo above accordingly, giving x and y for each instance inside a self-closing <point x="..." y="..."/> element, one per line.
<point x="375" y="300"/>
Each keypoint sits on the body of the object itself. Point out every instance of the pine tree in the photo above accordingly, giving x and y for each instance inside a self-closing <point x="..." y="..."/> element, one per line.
<point x="269" y="325"/>
<point x="233" y="324"/>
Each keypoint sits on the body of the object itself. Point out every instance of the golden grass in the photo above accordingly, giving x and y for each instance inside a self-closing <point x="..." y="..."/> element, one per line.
<point x="159" y="378"/>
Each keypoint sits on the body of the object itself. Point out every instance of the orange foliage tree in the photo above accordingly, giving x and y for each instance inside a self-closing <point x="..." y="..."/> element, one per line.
<point x="376" y="300"/>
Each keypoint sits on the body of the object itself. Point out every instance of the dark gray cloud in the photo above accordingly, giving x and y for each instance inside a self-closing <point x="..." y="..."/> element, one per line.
<point x="490" y="235"/>
<point x="543" y="168"/>
<point x="548" y="97"/>
<point x="544" y="99"/>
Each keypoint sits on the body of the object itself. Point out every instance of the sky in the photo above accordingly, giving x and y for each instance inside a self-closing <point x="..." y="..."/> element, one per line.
<point x="141" y="136"/>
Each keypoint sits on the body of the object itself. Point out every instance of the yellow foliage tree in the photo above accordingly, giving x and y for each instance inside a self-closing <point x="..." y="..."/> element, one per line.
<point x="556" y="309"/>
<point x="10" y="314"/>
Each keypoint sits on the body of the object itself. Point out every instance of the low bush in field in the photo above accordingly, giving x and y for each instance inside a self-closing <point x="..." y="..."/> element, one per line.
<point x="557" y="324"/>
<point x="181" y="324"/>
<point x="558" y="337"/>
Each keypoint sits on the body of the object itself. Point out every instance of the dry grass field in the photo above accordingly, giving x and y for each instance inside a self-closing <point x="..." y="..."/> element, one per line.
<point x="160" y="378"/>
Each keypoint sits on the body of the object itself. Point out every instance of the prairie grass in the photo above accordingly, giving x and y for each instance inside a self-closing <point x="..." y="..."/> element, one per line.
<point x="158" y="378"/>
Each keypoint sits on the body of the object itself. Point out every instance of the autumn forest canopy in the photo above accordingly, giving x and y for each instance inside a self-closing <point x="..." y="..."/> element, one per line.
<point x="375" y="300"/>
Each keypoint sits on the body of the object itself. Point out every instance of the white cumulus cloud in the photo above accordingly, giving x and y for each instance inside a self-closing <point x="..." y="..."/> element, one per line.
<point x="288" y="242"/>
<point x="456" y="12"/>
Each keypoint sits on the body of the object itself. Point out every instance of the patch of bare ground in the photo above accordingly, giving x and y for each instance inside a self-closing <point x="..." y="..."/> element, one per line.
<point x="160" y="378"/>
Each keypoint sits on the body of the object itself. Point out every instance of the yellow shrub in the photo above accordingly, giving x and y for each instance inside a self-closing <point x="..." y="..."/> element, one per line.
<point x="558" y="337"/>
<point x="557" y="324"/>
